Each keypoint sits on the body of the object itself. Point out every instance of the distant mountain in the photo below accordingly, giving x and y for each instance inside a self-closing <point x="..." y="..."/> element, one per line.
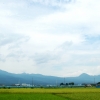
<point x="38" y="79"/>
<point x="84" y="75"/>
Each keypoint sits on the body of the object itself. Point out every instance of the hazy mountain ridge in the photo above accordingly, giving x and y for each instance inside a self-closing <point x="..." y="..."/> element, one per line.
<point x="38" y="79"/>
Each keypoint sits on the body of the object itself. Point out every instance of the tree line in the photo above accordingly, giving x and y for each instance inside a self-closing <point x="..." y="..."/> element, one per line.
<point x="71" y="83"/>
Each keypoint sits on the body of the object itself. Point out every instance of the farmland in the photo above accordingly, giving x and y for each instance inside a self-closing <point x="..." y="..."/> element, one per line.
<point x="50" y="94"/>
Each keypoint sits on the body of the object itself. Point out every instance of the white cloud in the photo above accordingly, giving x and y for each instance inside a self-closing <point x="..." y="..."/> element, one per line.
<point x="54" y="36"/>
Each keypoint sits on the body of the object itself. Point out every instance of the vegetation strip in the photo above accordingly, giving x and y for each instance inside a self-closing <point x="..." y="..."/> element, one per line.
<point x="50" y="94"/>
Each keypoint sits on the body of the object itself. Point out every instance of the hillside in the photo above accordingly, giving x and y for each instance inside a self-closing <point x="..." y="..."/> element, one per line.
<point x="38" y="79"/>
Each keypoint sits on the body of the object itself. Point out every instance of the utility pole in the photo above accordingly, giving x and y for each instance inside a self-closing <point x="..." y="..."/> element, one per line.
<point x="32" y="81"/>
<point x="94" y="80"/>
<point x="56" y="83"/>
<point x="19" y="82"/>
<point x="64" y="80"/>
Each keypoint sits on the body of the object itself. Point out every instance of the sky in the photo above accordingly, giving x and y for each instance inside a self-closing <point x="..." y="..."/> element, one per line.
<point x="50" y="37"/>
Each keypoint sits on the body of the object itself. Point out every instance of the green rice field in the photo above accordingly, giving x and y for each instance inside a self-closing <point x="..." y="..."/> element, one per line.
<point x="50" y="94"/>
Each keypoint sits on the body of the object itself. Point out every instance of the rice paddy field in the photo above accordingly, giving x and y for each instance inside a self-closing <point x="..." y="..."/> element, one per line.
<point x="50" y="94"/>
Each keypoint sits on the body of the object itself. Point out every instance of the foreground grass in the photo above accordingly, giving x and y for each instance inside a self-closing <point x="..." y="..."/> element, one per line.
<point x="81" y="96"/>
<point x="34" y="96"/>
<point x="50" y="94"/>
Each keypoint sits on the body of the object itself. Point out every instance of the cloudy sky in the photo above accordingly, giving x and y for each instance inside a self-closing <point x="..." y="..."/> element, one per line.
<point x="50" y="37"/>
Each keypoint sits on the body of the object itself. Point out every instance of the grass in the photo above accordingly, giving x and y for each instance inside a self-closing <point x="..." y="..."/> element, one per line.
<point x="34" y="96"/>
<point x="50" y="94"/>
<point x="81" y="96"/>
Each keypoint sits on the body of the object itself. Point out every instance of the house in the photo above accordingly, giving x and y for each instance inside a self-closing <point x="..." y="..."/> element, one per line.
<point x="25" y="85"/>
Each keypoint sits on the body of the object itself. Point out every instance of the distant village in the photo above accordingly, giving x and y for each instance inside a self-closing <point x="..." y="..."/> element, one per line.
<point x="61" y="85"/>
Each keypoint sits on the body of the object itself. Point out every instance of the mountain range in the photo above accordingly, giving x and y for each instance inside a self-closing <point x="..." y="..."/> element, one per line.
<point x="7" y="78"/>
